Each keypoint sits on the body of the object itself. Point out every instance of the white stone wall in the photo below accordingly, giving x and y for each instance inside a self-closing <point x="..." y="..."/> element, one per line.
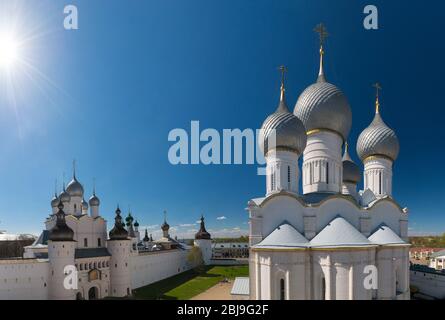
<point x="24" y="279"/>
<point x="151" y="267"/>
<point x="429" y="284"/>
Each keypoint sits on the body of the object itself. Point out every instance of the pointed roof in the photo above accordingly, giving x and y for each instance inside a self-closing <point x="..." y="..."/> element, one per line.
<point x="385" y="236"/>
<point x="118" y="232"/>
<point x="61" y="231"/>
<point x="284" y="236"/>
<point x="339" y="233"/>
<point x="202" y="233"/>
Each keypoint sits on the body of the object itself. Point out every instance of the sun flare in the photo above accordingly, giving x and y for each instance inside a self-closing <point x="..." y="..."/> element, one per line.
<point x="8" y="50"/>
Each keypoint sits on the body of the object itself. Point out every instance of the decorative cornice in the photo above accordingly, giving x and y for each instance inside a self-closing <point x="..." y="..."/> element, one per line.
<point x="377" y="157"/>
<point x="318" y="130"/>
<point x="330" y="197"/>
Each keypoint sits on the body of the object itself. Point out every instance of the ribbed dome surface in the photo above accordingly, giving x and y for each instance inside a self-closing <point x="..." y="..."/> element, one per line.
<point x="378" y="139"/>
<point x="74" y="188"/>
<point x="290" y="132"/>
<point x="324" y="106"/>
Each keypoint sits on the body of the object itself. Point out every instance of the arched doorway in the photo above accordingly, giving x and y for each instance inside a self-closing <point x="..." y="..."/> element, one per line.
<point x="93" y="293"/>
<point x="78" y="296"/>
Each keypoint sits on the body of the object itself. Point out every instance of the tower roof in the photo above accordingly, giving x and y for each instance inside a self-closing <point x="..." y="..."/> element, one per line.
<point x="287" y="130"/>
<point x="61" y="231"/>
<point x="378" y="139"/>
<point x="202" y="233"/>
<point x="323" y="106"/>
<point x="118" y="232"/>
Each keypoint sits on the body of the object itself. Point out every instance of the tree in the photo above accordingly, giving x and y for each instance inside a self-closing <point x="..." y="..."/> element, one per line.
<point x="195" y="258"/>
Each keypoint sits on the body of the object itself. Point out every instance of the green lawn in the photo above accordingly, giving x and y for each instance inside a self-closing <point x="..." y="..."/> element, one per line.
<point x="190" y="283"/>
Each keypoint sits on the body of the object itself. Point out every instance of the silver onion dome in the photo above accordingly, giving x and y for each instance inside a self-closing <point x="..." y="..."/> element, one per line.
<point x="351" y="171"/>
<point x="378" y="140"/>
<point x="94" y="200"/>
<point x="84" y="204"/>
<point x="64" y="196"/>
<point x="290" y="133"/>
<point x="323" y="106"/>
<point x="54" y="201"/>
<point x="74" y="188"/>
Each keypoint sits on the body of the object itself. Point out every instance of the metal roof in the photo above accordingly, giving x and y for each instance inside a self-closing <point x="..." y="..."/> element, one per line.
<point x="284" y="236"/>
<point x="438" y="254"/>
<point x="384" y="235"/>
<point x="91" y="253"/>
<point x="240" y="286"/>
<point x="339" y="233"/>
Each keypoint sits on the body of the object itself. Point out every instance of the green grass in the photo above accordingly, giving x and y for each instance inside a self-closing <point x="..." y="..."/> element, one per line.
<point x="188" y="284"/>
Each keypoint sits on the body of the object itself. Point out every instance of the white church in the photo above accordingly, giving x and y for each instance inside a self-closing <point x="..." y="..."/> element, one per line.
<point x="105" y="265"/>
<point x="329" y="241"/>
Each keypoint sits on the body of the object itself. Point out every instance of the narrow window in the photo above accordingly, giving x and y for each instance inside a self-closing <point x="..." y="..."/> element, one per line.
<point x="85" y="242"/>
<point x="380" y="182"/>
<point x="311" y="179"/>
<point x="288" y="177"/>
<point x="282" y="290"/>
<point x="98" y="242"/>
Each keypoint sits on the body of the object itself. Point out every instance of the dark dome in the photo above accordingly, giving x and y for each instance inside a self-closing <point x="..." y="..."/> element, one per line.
<point x="61" y="231"/>
<point x="118" y="232"/>
<point x="202" y="233"/>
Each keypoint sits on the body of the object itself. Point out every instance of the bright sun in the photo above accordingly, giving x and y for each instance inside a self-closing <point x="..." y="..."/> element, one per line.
<point x="8" y="50"/>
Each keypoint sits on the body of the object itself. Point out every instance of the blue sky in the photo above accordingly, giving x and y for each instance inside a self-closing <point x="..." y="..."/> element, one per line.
<point x="108" y="94"/>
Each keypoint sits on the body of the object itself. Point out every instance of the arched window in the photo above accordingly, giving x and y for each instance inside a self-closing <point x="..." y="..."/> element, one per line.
<point x="282" y="290"/>
<point x="288" y="177"/>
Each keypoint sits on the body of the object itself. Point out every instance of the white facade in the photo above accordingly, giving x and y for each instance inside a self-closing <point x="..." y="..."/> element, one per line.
<point x="330" y="242"/>
<point x="104" y="267"/>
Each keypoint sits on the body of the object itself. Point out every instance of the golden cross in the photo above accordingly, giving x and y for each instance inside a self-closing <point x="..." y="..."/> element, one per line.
<point x="283" y="71"/>
<point x="322" y="32"/>
<point x="377" y="87"/>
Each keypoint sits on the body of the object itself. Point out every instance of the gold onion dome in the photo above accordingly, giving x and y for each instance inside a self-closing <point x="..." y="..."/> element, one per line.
<point x="378" y="139"/>
<point x="351" y="171"/>
<point x="323" y="106"/>
<point x="290" y="133"/>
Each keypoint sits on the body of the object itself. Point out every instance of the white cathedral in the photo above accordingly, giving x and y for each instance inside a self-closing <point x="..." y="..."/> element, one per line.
<point x="110" y="265"/>
<point x="329" y="242"/>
